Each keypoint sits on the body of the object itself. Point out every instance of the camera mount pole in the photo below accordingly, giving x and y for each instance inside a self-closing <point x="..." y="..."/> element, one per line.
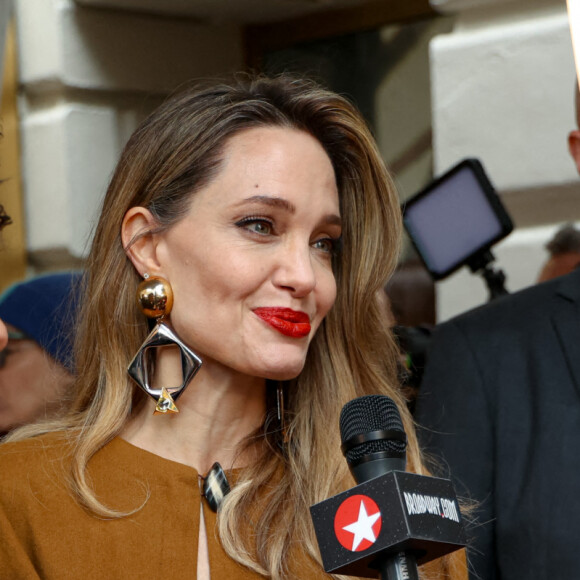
<point x="480" y="263"/>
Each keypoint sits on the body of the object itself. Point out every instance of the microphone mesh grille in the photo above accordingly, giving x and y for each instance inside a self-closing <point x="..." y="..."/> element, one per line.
<point x="366" y="414"/>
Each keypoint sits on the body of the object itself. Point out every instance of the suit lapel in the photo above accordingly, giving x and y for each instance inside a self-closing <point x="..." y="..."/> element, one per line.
<point x="566" y="321"/>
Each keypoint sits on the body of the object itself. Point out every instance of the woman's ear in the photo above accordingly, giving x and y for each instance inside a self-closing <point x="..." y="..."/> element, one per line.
<point x="139" y="244"/>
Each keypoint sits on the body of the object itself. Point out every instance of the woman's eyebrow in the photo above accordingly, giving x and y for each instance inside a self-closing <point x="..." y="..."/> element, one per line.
<point x="270" y="201"/>
<point x="333" y="220"/>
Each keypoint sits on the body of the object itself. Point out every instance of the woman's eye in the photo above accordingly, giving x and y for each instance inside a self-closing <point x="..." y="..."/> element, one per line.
<point x="327" y="245"/>
<point x="257" y="226"/>
<point x="260" y="227"/>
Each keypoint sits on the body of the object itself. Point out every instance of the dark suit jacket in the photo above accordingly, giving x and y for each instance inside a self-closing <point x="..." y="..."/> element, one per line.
<point x="500" y="403"/>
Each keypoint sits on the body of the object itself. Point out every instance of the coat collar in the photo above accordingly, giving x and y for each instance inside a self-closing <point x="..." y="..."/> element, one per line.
<point x="566" y="321"/>
<point x="569" y="286"/>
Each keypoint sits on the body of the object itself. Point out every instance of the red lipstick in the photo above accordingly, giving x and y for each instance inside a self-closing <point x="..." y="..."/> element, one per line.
<point x="286" y="321"/>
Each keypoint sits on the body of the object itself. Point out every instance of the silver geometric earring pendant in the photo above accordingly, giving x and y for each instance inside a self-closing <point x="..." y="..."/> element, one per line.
<point x="155" y="298"/>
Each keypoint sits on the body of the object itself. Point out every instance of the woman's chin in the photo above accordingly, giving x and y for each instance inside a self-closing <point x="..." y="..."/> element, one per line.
<point x="277" y="364"/>
<point x="285" y="373"/>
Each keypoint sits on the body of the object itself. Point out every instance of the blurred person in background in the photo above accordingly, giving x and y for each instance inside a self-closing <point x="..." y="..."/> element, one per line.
<point x="411" y="295"/>
<point x="411" y="292"/>
<point x="564" y="250"/>
<point x="36" y="363"/>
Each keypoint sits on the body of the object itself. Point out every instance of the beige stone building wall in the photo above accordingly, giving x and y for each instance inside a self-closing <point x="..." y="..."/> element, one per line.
<point x="87" y="77"/>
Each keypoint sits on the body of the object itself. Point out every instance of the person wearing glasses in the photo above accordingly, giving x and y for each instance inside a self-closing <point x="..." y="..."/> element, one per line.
<point x="36" y="358"/>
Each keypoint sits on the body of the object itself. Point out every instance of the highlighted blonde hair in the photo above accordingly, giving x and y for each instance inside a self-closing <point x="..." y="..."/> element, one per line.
<point x="172" y="155"/>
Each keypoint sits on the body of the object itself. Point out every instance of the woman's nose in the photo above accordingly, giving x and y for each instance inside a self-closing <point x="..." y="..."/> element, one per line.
<point x="295" y="270"/>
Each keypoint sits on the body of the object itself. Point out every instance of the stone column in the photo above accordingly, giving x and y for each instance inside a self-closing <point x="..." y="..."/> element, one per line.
<point x="87" y="77"/>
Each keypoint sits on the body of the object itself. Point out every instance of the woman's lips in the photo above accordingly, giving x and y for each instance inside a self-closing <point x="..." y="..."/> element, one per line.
<point x="286" y="321"/>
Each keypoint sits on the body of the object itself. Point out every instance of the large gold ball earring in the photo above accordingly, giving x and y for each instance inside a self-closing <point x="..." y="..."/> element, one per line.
<point x="155" y="297"/>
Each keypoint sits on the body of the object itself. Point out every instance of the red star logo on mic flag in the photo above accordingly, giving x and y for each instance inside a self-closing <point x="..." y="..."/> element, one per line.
<point x="357" y="523"/>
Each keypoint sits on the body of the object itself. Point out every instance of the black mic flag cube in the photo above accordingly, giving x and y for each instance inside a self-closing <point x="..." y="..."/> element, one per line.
<point x="394" y="512"/>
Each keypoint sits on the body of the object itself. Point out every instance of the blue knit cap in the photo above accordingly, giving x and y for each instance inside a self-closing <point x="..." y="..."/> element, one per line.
<point x="44" y="309"/>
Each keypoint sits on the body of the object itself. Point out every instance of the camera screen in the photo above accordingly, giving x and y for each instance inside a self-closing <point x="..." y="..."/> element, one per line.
<point x="455" y="217"/>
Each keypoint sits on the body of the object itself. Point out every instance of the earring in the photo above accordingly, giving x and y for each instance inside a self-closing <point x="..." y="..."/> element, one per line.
<point x="281" y="415"/>
<point x="155" y="298"/>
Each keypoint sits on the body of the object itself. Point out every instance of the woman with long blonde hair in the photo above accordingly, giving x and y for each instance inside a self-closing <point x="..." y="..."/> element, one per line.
<point x="256" y="222"/>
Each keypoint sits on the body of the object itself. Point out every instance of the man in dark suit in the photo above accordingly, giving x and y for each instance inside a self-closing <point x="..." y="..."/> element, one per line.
<point x="499" y="407"/>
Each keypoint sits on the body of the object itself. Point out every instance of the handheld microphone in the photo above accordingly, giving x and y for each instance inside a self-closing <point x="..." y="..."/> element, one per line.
<point x="373" y="437"/>
<point x="391" y="520"/>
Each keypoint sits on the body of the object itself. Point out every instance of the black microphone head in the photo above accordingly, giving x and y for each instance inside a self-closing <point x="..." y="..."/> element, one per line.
<point x="366" y="414"/>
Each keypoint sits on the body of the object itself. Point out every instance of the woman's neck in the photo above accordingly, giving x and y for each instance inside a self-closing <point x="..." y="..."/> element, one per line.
<point x="217" y="411"/>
